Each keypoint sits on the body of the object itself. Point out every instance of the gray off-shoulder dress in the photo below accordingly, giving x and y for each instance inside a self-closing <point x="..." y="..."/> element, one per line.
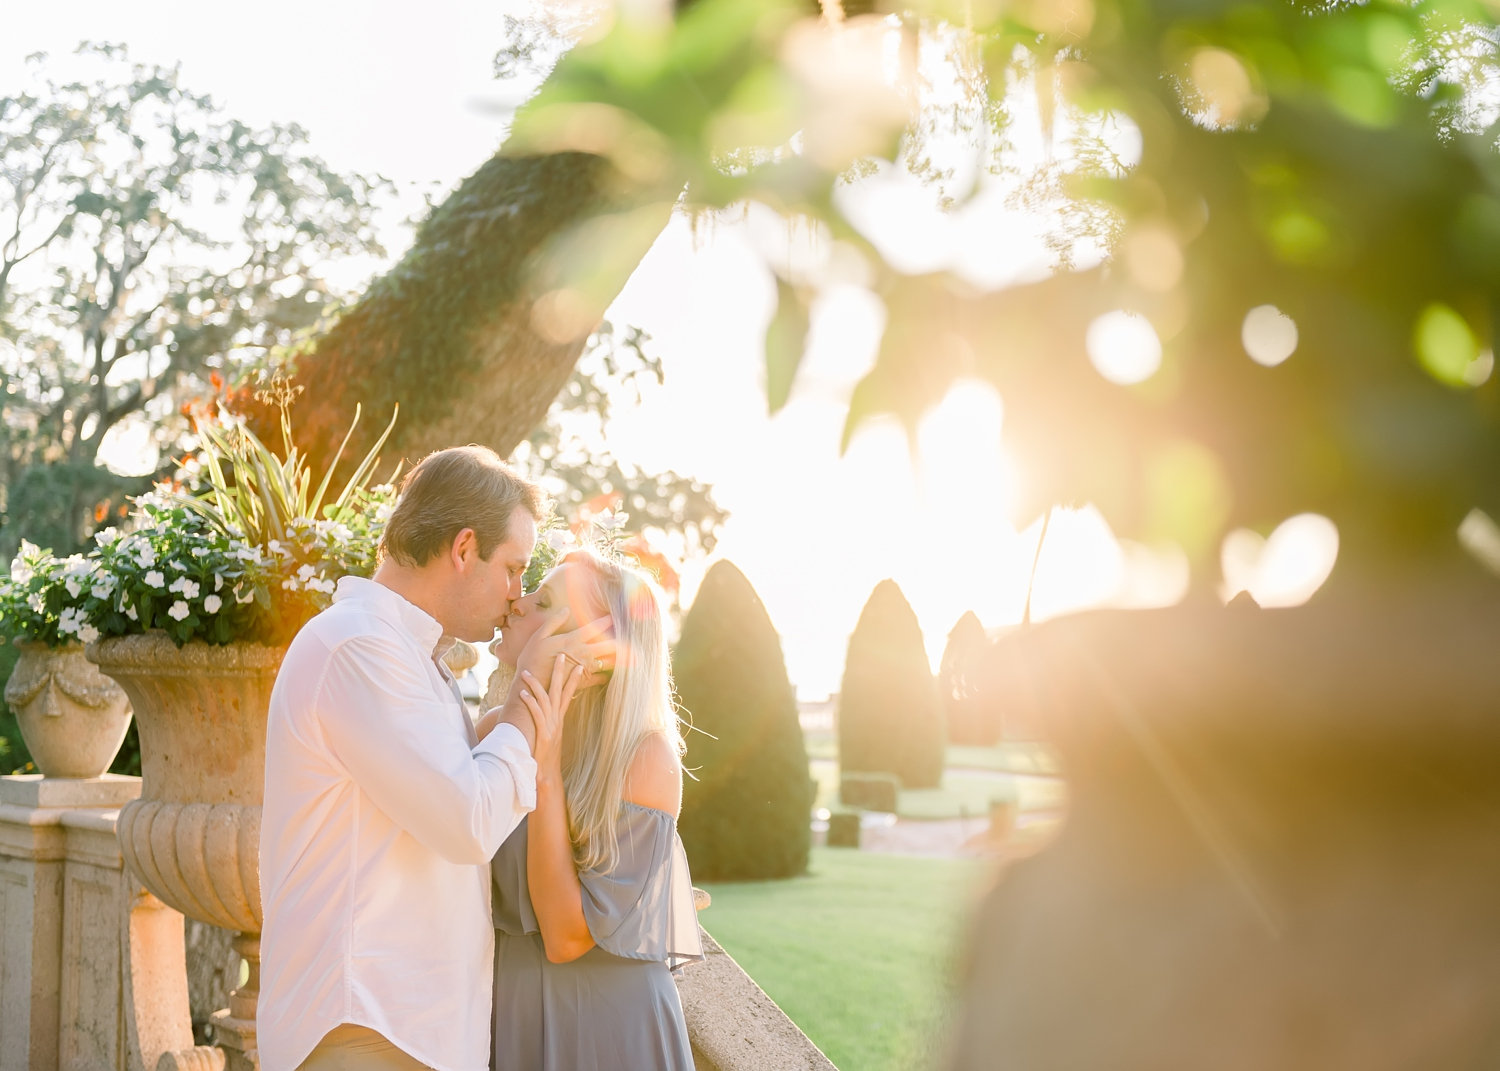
<point x="615" y="1008"/>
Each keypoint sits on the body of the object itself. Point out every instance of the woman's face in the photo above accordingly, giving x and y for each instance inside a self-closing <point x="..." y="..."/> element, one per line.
<point x="569" y="586"/>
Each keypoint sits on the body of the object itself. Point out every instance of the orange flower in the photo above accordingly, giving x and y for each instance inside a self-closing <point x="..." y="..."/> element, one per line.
<point x="653" y="561"/>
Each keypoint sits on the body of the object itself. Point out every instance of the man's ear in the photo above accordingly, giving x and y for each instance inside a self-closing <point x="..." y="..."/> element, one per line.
<point x="465" y="549"/>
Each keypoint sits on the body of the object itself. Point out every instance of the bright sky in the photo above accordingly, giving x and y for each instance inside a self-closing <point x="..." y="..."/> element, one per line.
<point x="407" y="92"/>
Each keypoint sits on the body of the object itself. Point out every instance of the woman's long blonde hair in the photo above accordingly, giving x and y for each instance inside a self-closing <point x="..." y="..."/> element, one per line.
<point x="608" y="722"/>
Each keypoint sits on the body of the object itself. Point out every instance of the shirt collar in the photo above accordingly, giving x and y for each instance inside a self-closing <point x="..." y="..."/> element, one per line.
<point x="393" y="607"/>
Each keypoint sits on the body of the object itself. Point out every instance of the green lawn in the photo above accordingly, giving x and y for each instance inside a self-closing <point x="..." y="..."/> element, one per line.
<point x="859" y="952"/>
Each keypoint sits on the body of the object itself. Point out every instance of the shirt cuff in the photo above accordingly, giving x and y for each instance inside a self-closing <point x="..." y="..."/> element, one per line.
<point x="507" y="744"/>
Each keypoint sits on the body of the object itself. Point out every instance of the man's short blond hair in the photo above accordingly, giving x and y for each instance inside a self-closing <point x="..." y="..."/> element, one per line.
<point x="450" y="490"/>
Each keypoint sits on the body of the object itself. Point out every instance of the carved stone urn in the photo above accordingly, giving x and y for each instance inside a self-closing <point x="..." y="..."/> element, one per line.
<point x="193" y="838"/>
<point x="72" y="717"/>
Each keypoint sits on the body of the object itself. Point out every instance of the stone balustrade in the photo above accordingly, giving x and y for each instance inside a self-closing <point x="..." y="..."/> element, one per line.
<point x="93" y="972"/>
<point x="92" y="967"/>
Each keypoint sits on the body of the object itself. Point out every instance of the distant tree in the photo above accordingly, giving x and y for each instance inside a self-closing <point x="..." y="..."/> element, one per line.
<point x="969" y="719"/>
<point x="746" y="809"/>
<point x="570" y="455"/>
<point x="148" y="242"/>
<point x="889" y="717"/>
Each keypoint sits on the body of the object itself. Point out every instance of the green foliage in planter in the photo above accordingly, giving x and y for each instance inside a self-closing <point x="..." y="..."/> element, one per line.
<point x="889" y="718"/>
<point x="14" y="758"/>
<point x="746" y="809"/>
<point x="970" y="719"/>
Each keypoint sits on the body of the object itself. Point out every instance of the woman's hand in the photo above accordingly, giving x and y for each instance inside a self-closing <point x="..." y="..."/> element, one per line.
<point x="548" y="708"/>
<point x="591" y="646"/>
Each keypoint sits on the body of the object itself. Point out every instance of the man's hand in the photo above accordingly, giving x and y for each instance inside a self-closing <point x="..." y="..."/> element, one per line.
<point x="547" y="710"/>
<point x="590" y="646"/>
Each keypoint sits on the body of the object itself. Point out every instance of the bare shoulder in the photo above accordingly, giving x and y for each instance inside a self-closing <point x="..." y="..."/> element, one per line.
<point x="655" y="775"/>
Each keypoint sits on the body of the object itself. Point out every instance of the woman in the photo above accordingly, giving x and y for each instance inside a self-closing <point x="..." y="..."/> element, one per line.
<point x="593" y="904"/>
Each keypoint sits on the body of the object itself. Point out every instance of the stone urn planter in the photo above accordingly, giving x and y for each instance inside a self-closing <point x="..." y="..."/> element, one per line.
<point x="72" y="717"/>
<point x="1282" y="848"/>
<point x="193" y="838"/>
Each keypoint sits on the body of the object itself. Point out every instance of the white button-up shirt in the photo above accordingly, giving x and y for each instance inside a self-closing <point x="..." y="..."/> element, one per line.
<point x="380" y="818"/>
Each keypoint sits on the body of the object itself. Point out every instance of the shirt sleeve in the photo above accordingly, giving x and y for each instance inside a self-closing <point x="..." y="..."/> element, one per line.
<point x="401" y="746"/>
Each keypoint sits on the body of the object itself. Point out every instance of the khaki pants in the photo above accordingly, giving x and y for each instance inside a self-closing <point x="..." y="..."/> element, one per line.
<point x="358" y="1048"/>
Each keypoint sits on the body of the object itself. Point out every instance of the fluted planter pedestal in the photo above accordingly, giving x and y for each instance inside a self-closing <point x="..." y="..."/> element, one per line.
<point x="193" y="838"/>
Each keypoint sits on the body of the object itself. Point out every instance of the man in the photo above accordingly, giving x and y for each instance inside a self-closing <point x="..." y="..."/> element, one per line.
<point x="384" y="803"/>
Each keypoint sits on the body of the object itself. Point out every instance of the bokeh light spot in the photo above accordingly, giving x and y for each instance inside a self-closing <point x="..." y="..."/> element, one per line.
<point x="1298" y="236"/>
<point x="1285" y="569"/>
<point x="1446" y="346"/>
<point x="1123" y="346"/>
<point x="1269" y="335"/>
<point x="1153" y="258"/>
<point x="1226" y="92"/>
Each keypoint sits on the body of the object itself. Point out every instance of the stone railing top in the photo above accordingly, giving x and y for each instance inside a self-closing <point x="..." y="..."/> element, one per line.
<point x="34" y="790"/>
<point x="734" y="1026"/>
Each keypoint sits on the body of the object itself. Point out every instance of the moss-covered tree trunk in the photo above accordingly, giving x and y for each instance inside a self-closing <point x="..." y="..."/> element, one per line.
<point x="463" y="333"/>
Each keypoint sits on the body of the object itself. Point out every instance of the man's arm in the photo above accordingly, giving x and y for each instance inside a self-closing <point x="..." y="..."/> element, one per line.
<point x="398" y="741"/>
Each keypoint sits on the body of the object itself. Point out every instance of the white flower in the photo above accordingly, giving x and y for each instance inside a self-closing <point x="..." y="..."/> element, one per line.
<point x="244" y="553"/>
<point x="130" y="613"/>
<point x="201" y="552"/>
<point x="559" y="538"/>
<point x="20" y="571"/>
<point x="70" y="620"/>
<point x="306" y="573"/>
<point x="158" y="498"/>
<point x="154" y="579"/>
<point x="212" y="604"/>
<point x="325" y="586"/>
<point x="177" y="566"/>
<point x="88" y="634"/>
<point x="106" y="536"/>
<point x="247" y="596"/>
<point x="290" y="584"/>
<point x="188" y="589"/>
<point x="274" y="546"/>
<point x="36" y="602"/>
<point x="611" y="521"/>
<point x="104" y="586"/>
<point x="146" y="556"/>
<point x="178" y="611"/>
<point x="73" y="586"/>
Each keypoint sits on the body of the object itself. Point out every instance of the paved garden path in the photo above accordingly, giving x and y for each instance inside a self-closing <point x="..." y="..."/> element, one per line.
<point x="956" y="838"/>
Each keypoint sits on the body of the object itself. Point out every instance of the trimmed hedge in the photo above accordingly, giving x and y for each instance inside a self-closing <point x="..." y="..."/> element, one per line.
<point x="870" y="792"/>
<point x="970" y="719"/>
<point x="746" y="809"/>
<point x="890" y="720"/>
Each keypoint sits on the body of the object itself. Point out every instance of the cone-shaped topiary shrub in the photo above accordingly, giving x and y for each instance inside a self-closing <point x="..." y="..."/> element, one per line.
<point x="890" y="720"/>
<point x="969" y="718"/>
<point x="746" y="809"/>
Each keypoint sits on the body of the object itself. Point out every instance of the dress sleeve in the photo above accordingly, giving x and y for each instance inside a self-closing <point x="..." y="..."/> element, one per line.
<point x="643" y="908"/>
